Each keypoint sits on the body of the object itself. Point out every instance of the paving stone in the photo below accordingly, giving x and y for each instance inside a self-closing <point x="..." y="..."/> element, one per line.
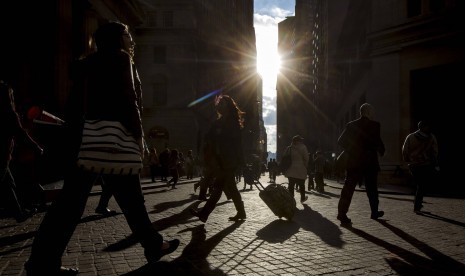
<point x="313" y="243"/>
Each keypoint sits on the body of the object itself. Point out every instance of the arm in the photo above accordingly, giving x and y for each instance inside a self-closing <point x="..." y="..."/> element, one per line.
<point x="133" y="101"/>
<point x="23" y="136"/>
<point x="380" y="145"/>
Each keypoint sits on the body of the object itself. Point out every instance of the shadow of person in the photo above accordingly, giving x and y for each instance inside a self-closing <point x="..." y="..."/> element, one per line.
<point x="193" y="259"/>
<point x="325" y="229"/>
<point x="159" y="225"/>
<point x="278" y="231"/>
<point x="9" y="242"/>
<point x="412" y="263"/>
<point x="434" y="216"/>
<point x="99" y="216"/>
<point x="158" y="208"/>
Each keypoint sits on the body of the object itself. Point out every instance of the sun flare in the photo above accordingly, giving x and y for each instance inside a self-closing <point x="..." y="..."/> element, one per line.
<point x="268" y="59"/>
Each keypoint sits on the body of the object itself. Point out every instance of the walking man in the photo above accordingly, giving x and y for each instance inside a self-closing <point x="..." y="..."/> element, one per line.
<point x="420" y="151"/>
<point x="362" y="140"/>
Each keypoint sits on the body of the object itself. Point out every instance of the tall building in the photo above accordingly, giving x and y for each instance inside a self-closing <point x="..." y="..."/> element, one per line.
<point x="300" y="92"/>
<point x="185" y="50"/>
<point x="188" y="50"/>
<point x="403" y="57"/>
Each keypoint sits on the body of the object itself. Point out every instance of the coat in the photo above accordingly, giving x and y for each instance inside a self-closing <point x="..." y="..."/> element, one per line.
<point x="299" y="156"/>
<point x="361" y="139"/>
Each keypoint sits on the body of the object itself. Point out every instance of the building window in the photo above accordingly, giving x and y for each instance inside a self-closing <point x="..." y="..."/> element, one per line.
<point x="168" y="19"/>
<point x="159" y="54"/>
<point x="152" y="19"/>
<point x="159" y="93"/>
<point x="413" y="8"/>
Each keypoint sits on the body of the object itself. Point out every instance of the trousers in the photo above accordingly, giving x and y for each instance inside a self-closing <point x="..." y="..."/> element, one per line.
<point x="64" y="214"/>
<point x="353" y="177"/>
<point x="224" y="179"/>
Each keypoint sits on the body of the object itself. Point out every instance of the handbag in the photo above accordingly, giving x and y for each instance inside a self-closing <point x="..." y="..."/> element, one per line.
<point x="341" y="160"/>
<point x="286" y="160"/>
<point x="108" y="148"/>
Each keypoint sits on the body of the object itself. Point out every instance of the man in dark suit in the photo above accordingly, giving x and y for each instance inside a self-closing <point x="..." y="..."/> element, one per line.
<point x="362" y="140"/>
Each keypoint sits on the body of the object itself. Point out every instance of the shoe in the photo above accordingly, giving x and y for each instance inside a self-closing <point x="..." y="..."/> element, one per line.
<point x="304" y="199"/>
<point x="238" y="216"/>
<point x="418" y="209"/>
<point x="195" y="213"/>
<point x="105" y="211"/>
<point x="173" y="245"/>
<point x="377" y="215"/>
<point x="344" y="219"/>
<point x="202" y="198"/>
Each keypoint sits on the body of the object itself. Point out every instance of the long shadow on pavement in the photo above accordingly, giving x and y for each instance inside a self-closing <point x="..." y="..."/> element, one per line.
<point x="18" y="238"/>
<point x="313" y="221"/>
<point x="278" y="231"/>
<point x="434" y="216"/>
<point x="193" y="260"/>
<point x="410" y="263"/>
<point x="159" y="225"/>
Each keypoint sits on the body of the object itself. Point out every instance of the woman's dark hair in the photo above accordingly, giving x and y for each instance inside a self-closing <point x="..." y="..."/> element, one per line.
<point x="232" y="109"/>
<point x="7" y="101"/>
<point x="108" y="37"/>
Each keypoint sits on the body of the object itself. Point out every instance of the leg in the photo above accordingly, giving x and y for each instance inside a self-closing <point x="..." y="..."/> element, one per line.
<point x="128" y="194"/>
<point x="153" y="172"/>
<point x="59" y="223"/>
<point x="105" y="196"/>
<point x="421" y="178"/>
<point x="236" y="198"/>
<point x="9" y="189"/>
<point x="371" y="187"/>
<point x="175" y="178"/>
<point x="291" y="185"/>
<point x="215" y="195"/>
<point x="301" y="184"/>
<point x="347" y="192"/>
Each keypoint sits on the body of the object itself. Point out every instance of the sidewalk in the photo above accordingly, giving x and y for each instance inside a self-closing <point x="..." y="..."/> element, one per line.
<point x="313" y="243"/>
<point x="382" y="188"/>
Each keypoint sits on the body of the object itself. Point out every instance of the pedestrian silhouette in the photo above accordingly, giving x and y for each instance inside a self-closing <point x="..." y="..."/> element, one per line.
<point x="297" y="172"/>
<point x="225" y="143"/>
<point x="12" y="132"/>
<point x="103" y="88"/>
<point x="361" y="139"/>
<point x="420" y="151"/>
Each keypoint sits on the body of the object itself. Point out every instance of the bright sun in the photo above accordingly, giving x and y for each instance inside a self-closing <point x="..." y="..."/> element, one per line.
<point x="268" y="60"/>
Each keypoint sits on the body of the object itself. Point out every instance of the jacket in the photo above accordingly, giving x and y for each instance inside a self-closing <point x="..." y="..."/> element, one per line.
<point x="299" y="157"/>
<point x="420" y="148"/>
<point x="361" y="139"/>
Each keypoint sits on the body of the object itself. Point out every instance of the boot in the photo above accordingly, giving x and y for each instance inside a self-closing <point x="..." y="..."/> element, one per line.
<point x="240" y="211"/>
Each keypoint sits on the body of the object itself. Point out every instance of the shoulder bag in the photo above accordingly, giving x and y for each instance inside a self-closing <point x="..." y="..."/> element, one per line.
<point x="286" y="160"/>
<point x="108" y="148"/>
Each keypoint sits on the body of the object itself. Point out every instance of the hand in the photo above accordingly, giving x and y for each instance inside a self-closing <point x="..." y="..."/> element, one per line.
<point x="436" y="168"/>
<point x="39" y="150"/>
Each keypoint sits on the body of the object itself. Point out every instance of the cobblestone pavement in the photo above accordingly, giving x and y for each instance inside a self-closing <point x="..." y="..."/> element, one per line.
<point x="313" y="243"/>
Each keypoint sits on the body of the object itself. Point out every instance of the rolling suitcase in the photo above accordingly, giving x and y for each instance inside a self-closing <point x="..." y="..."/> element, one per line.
<point x="278" y="199"/>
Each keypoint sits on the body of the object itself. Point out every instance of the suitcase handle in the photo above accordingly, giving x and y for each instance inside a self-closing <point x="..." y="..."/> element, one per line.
<point x="259" y="185"/>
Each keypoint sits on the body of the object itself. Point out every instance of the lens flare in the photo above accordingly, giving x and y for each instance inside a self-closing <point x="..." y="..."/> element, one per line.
<point x="201" y="99"/>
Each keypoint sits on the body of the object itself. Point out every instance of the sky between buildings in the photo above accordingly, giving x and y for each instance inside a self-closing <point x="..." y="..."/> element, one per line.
<point x="267" y="15"/>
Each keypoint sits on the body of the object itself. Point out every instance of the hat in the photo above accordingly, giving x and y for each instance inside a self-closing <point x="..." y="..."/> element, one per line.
<point x="297" y="138"/>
